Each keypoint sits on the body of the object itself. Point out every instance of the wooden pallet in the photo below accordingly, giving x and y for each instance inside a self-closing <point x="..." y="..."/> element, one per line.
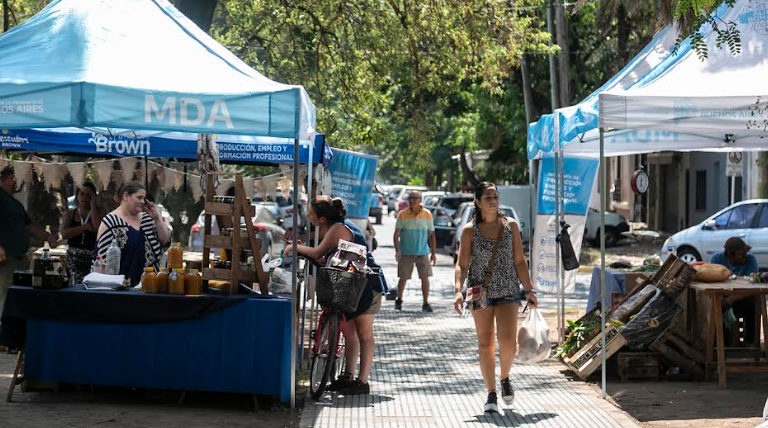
<point x="681" y="349"/>
<point x="638" y="365"/>
<point x="241" y="207"/>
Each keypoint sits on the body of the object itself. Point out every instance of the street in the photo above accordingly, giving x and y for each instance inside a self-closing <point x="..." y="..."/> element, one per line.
<point x="425" y="371"/>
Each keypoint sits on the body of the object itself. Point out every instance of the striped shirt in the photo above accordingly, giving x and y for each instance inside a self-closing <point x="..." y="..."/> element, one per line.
<point x="117" y="228"/>
<point x="414" y="231"/>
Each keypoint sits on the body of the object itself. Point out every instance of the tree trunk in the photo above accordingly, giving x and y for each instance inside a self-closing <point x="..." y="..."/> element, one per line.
<point x="198" y="11"/>
<point x="762" y="176"/>
<point x="563" y="56"/>
<point x="469" y="174"/>
<point x="622" y="34"/>
<point x="527" y="95"/>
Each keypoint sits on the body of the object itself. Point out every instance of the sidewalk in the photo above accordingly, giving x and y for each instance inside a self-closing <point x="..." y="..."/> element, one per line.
<point x="425" y="374"/>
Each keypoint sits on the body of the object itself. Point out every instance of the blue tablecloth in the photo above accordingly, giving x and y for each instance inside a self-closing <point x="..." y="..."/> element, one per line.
<point x="244" y="348"/>
<point x="615" y="282"/>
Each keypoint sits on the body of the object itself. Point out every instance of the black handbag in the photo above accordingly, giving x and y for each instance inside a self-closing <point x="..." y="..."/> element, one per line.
<point x="568" y="256"/>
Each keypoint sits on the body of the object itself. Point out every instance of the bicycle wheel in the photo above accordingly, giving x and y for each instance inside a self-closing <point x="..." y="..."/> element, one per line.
<point x="323" y="361"/>
<point x="340" y="361"/>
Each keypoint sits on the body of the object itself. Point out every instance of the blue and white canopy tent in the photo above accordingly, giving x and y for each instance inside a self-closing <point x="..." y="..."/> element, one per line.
<point x="141" y="65"/>
<point x="679" y="104"/>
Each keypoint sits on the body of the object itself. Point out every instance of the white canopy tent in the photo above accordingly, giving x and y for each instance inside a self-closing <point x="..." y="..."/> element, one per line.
<point x="715" y="104"/>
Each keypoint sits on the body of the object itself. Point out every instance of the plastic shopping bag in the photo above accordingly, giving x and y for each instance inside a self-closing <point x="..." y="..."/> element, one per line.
<point x="533" y="339"/>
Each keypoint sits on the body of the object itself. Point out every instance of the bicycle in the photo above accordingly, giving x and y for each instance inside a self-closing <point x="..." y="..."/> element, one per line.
<point x="338" y="291"/>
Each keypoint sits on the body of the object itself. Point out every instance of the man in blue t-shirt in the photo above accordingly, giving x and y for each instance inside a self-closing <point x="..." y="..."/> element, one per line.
<point x="736" y="257"/>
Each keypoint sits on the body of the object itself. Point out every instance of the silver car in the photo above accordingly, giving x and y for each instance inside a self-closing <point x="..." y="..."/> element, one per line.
<point x="265" y="226"/>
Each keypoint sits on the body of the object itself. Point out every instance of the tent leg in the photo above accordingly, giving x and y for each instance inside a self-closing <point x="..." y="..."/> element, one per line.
<point x="562" y="268"/>
<point x="602" y="259"/>
<point x="294" y="268"/>
<point x="560" y="315"/>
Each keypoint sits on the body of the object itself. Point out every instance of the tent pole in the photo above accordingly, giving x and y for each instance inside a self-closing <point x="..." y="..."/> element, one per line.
<point x="146" y="174"/>
<point x="602" y="258"/>
<point x="307" y="267"/>
<point x="562" y="268"/>
<point x="531" y="194"/>
<point x="294" y="269"/>
<point x="557" y="246"/>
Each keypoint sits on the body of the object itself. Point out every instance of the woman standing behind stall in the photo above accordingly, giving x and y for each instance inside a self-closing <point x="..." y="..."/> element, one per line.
<point x="139" y="230"/>
<point x="328" y="216"/>
<point x="508" y="275"/>
<point x="79" y="229"/>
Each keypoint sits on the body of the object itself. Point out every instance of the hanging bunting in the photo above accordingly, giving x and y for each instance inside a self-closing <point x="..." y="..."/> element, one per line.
<point x="117" y="177"/>
<point x="4" y="163"/>
<point x="23" y="172"/>
<point x="270" y="187"/>
<point x="161" y="176"/>
<point x="53" y="174"/>
<point x="103" y="173"/>
<point x="128" y="168"/>
<point x="167" y="179"/>
<point x="151" y="170"/>
<point x="248" y="187"/>
<point x="285" y="187"/>
<point x="224" y="186"/>
<point x="77" y="172"/>
<point x="178" y="179"/>
<point x="260" y="189"/>
<point x="197" y="189"/>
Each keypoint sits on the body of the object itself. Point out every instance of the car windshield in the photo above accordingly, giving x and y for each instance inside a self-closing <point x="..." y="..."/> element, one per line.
<point x="454" y="202"/>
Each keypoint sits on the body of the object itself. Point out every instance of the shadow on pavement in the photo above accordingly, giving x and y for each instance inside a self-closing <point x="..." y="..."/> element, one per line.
<point x="511" y="418"/>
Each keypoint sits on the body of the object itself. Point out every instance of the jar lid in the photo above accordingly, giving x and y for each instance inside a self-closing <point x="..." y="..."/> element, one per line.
<point x="193" y="271"/>
<point x="149" y="269"/>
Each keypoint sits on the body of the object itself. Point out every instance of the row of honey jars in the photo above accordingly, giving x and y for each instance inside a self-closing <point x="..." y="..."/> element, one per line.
<point x="175" y="282"/>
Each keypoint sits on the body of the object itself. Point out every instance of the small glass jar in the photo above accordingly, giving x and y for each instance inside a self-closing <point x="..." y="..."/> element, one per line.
<point x="162" y="281"/>
<point x="176" y="281"/>
<point x="149" y="281"/>
<point x="193" y="283"/>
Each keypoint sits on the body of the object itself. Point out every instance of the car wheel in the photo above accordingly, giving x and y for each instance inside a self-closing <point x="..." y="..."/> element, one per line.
<point x="612" y="236"/>
<point x="688" y="255"/>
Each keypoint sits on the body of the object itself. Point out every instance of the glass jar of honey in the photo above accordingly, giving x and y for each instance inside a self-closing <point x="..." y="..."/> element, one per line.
<point x="175" y="256"/>
<point x="193" y="283"/>
<point x="149" y="280"/>
<point x="162" y="281"/>
<point x="176" y="281"/>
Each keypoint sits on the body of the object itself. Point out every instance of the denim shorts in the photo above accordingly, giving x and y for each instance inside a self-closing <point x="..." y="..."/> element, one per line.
<point x="512" y="298"/>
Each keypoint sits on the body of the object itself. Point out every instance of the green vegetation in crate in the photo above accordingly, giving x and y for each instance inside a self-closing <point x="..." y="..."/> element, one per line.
<point x="581" y="332"/>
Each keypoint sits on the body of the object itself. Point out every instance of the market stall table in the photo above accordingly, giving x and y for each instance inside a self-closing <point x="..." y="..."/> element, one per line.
<point x="127" y="338"/>
<point x="716" y="292"/>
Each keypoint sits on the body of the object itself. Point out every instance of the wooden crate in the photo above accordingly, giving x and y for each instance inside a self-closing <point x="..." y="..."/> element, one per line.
<point x="587" y="359"/>
<point x="682" y="350"/>
<point x="638" y="365"/>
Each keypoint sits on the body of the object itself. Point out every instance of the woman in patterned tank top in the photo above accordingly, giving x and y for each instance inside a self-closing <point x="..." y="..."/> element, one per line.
<point x="508" y="277"/>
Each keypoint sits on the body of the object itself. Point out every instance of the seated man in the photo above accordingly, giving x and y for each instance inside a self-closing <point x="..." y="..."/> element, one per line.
<point x="736" y="257"/>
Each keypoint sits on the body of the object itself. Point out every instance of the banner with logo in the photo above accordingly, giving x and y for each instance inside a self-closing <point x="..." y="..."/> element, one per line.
<point x="578" y="177"/>
<point x="232" y="148"/>
<point x="352" y="180"/>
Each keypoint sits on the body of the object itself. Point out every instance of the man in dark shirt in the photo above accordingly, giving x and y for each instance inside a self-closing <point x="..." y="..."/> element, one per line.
<point x="15" y="228"/>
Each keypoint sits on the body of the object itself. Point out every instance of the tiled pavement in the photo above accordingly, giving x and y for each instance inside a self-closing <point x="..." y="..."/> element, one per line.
<point x="425" y="374"/>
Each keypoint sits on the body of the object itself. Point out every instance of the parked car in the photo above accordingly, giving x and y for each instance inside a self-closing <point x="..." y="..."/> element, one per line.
<point x="747" y="220"/>
<point x="264" y="223"/>
<point x="444" y="226"/>
<point x="401" y="201"/>
<point x="392" y="194"/>
<point x="428" y="198"/>
<point x="615" y="225"/>
<point x="452" y="201"/>
<point x="377" y="205"/>
<point x="466" y="216"/>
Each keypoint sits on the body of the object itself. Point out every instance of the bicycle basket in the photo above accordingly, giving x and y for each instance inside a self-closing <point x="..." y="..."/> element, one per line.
<point x="340" y="289"/>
